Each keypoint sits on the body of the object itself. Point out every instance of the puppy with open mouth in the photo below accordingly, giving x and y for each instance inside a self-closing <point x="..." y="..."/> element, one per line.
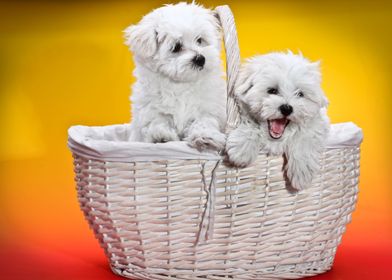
<point x="283" y="111"/>
<point x="179" y="93"/>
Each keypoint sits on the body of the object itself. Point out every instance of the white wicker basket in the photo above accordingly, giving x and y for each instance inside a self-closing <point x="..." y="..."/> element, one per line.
<point x="165" y="211"/>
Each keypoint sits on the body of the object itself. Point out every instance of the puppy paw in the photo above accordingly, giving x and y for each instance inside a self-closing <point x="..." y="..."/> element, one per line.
<point x="204" y="141"/>
<point x="239" y="156"/>
<point x="160" y="135"/>
<point x="300" y="175"/>
<point x="299" y="182"/>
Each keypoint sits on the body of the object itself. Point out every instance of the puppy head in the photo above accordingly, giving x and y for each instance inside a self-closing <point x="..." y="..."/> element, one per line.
<point x="179" y="41"/>
<point x="280" y="90"/>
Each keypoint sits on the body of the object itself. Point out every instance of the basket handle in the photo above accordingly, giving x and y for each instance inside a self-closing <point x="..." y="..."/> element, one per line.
<point x="232" y="51"/>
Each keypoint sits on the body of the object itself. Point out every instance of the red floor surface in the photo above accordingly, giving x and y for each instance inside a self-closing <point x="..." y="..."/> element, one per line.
<point x="353" y="261"/>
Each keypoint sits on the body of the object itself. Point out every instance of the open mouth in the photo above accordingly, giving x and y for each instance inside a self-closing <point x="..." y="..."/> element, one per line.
<point x="276" y="127"/>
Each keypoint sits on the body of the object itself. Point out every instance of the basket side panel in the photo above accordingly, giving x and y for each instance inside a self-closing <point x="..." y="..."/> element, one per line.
<point x="147" y="216"/>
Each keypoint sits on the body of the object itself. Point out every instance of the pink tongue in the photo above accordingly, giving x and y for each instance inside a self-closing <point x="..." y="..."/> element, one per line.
<point x="278" y="125"/>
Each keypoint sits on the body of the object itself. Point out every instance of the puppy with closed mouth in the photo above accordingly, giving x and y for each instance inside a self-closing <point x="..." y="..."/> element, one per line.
<point x="283" y="111"/>
<point x="179" y="93"/>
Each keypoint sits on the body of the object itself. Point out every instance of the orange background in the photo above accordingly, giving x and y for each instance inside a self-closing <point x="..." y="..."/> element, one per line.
<point x="64" y="63"/>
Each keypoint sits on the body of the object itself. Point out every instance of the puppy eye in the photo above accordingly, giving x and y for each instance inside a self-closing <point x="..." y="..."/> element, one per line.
<point x="199" y="40"/>
<point x="272" y="91"/>
<point x="300" y="94"/>
<point x="177" y="47"/>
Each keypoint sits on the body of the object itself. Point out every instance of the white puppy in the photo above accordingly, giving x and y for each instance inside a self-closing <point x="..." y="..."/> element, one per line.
<point x="180" y="91"/>
<point x="283" y="112"/>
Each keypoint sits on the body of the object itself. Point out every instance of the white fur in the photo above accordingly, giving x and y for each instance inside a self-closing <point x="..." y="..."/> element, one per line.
<point x="304" y="136"/>
<point x="172" y="98"/>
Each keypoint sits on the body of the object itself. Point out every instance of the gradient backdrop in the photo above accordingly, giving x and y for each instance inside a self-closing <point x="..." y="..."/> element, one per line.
<point x="64" y="63"/>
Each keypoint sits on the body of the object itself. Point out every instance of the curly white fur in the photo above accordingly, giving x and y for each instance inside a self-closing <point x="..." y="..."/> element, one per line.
<point x="298" y="130"/>
<point x="174" y="97"/>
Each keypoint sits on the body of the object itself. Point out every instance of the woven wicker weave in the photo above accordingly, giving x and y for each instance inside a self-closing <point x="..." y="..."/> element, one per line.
<point x="193" y="218"/>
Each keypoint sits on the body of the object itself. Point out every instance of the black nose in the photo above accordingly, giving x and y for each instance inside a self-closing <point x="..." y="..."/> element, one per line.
<point x="199" y="60"/>
<point x="286" y="109"/>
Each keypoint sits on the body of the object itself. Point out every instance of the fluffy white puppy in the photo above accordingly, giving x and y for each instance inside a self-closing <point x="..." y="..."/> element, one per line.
<point x="180" y="91"/>
<point x="283" y="112"/>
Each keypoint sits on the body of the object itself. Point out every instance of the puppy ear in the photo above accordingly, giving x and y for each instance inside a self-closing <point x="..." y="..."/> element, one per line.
<point x="141" y="39"/>
<point x="315" y="67"/>
<point x="215" y="22"/>
<point x="244" y="81"/>
<point x="324" y="100"/>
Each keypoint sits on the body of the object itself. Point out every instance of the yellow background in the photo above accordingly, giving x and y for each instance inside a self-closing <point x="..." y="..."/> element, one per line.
<point x="64" y="63"/>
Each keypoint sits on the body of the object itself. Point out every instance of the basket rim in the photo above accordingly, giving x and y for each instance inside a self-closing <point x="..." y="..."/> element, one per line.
<point x="110" y="143"/>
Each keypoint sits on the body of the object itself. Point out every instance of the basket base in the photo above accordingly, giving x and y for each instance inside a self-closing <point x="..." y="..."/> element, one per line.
<point x="289" y="275"/>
